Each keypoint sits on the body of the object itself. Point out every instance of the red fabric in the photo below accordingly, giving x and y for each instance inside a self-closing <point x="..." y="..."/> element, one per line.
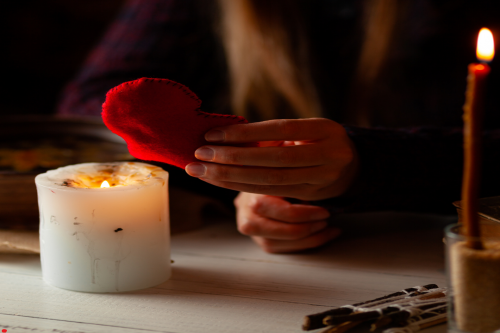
<point x="160" y="120"/>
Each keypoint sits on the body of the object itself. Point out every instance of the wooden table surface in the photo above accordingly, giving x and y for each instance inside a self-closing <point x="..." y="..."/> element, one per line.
<point x="222" y="282"/>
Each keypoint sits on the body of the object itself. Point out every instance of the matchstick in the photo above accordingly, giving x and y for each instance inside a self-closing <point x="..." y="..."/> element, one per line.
<point x="314" y="321"/>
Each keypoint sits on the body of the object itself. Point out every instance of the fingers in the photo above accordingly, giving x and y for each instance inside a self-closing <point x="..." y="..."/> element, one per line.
<point x="274" y="130"/>
<point x="290" y="156"/>
<point x="285" y="246"/>
<point x="253" y="218"/>
<point x="279" y="209"/>
<point x="310" y="159"/>
<point x="279" y="226"/>
<point x="262" y="176"/>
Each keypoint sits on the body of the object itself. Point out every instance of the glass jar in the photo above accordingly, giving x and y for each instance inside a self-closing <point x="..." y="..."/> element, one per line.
<point x="473" y="280"/>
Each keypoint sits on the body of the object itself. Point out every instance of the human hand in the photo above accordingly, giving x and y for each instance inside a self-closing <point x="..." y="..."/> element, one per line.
<point x="312" y="159"/>
<point x="278" y="226"/>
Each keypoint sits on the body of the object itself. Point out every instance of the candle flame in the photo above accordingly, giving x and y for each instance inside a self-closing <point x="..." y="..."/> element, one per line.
<point x="105" y="184"/>
<point x="485" y="45"/>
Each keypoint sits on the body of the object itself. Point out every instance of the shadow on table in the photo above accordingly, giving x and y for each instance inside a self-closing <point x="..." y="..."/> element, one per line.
<point x="394" y="242"/>
<point x="355" y="225"/>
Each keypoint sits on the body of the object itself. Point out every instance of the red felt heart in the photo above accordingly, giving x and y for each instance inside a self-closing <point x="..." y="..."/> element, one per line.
<point x="160" y="120"/>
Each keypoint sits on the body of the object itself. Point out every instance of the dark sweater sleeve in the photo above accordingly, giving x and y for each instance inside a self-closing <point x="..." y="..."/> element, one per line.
<point x="417" y="169"/>
<point x="146" y="39"/>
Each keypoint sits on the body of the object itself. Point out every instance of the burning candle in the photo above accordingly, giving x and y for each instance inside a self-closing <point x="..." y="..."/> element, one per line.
<point x="104" y="227"/>
<point x="473" y="114"/>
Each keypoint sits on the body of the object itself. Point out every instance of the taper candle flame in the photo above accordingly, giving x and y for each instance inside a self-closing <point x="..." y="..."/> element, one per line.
<point x="105" y="184"/>
<point x="485" y="45"/>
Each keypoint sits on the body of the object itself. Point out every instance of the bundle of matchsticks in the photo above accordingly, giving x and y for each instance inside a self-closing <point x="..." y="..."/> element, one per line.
<point x="405" y="311"/>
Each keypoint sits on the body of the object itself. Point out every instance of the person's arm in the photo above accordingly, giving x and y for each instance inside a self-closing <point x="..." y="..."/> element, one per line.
<point x="416" y="169"/>
<point x="309" y="159"/>
<point x="149" y="38"/>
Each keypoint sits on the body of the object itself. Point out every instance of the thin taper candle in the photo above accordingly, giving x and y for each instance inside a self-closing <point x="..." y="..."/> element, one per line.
<point x="473" y="115"/>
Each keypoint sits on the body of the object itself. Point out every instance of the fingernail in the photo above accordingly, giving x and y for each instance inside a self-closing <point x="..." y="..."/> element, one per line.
<point x="196" y="169"/>
<point x="215" y="135"/>
<point x="204" y="153"/>
<point x="318" y="226"/>
<point x="321" y="215"/>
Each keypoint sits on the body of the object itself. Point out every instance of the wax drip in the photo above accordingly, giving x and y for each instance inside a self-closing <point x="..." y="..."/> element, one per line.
<point x="117" y="255"/>
<point x="96" y="255"/>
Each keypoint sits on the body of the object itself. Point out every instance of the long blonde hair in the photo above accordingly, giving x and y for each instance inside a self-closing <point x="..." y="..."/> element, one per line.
<point x="268" y="56"/>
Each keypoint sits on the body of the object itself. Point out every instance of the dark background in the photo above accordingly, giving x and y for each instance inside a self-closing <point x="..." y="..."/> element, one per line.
<point x="43" y="45"/>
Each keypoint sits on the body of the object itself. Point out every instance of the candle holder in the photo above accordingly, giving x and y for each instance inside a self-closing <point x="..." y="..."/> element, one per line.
<point x="104" y="239"/>
<point x="473" y="281"/>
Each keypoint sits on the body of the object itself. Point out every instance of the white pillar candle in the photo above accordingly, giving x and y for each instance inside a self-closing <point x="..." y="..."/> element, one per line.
<point x="107" y="239"/>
